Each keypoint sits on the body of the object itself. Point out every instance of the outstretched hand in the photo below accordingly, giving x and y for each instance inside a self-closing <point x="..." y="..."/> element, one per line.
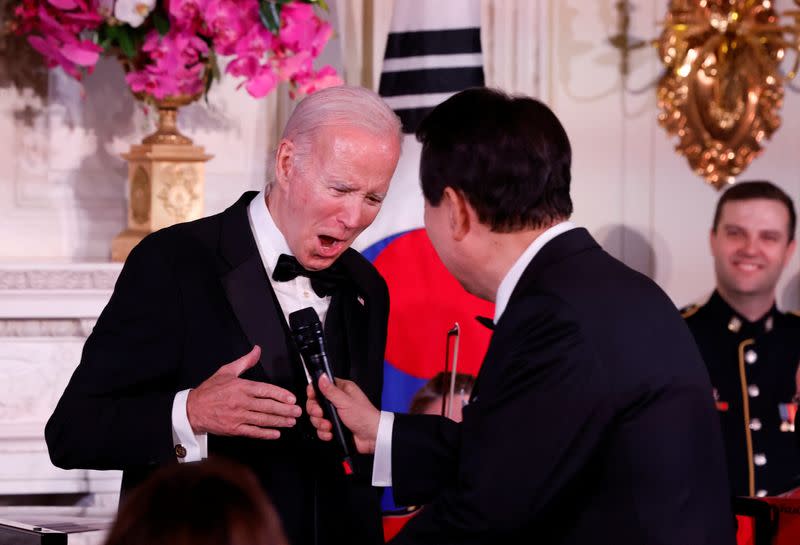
<point x="225" y="404"/>
<point x="355" y="410"/>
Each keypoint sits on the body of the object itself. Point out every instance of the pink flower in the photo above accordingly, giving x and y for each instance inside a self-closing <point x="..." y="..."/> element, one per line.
<point x="64" y="4"/>
<point x="176" y="67"/>
<point x="187" y="13"/>
<point x="289" y="66"/>
<point x="83" y="53"/>
<point x="228" y="21"/>
<point x="64" y="32"/>
<point x="302" y="29"/>
<point x="54" y="28"/>
<point x="311" y="82"/>
<point x="262" y="83"/>
<point x="246" y="66"/>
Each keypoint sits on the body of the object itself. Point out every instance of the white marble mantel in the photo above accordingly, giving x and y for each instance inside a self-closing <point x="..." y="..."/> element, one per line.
<point x="46" y="312"/>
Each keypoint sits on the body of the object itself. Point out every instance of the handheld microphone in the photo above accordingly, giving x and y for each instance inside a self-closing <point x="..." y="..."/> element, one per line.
<point x="307" y="333"/>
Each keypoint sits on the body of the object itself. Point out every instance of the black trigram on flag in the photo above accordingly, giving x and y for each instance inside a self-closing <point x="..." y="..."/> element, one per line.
<point x="433" y="51"/>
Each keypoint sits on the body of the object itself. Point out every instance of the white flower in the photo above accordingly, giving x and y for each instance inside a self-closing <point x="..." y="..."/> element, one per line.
<point x="133" y="12"/>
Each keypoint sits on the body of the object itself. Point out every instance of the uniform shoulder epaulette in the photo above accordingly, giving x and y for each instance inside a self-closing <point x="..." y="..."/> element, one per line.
<point x="688" y="310"/>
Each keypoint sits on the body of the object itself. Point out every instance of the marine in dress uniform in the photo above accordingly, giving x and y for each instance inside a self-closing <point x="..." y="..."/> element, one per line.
<point x="752" y="367"/>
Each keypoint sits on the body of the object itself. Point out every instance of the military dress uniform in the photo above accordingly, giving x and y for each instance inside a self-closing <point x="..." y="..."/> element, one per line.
<point x="752" y="366"/>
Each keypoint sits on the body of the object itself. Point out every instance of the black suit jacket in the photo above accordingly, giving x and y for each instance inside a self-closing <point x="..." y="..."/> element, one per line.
<point x="590" y="421"/>
<point x="189" y="299"/>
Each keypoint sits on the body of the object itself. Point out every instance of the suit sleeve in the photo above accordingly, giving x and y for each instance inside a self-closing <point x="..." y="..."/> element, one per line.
<point x="540" y="412"/>
<point x="116" y="410"/>
<point x="426" y="460"/>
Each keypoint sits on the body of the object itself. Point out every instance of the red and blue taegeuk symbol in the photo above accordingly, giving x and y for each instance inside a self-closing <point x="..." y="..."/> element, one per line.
<point x="425" y="302"/>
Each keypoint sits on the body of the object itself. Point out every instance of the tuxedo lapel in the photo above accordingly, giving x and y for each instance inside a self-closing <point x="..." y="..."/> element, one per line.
<point x="346" y="334"/>
<point x="250" y="294"/>
<point x="346" y="327"/>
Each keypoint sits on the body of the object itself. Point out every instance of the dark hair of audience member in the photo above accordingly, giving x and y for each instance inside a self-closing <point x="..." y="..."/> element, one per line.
<point x="757" y="189"/>
<point x="214" y="502"/>
<point x="513" y="166"/>
<point x="436" y="388"/>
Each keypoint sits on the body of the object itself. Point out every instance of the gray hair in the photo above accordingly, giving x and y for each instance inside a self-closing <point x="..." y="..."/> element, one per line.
<point x="341" y="106"/>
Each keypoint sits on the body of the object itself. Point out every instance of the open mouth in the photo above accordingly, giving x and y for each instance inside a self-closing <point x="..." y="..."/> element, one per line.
<point x="329" y="245"/>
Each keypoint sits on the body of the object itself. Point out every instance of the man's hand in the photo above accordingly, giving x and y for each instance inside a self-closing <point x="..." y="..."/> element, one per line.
<point x="354" y="408"/>
<point x="225" y="404"/>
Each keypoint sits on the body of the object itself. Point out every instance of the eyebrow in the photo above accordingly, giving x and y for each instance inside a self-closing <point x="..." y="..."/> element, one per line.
<point x="777" y="232"/>
<point x="342" y="184"/>
<point x="378" y="196"/>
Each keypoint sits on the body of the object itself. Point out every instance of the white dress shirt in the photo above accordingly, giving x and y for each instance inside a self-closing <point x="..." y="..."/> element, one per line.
<point x="382" y="465"/>
<point x="292" y="295"/>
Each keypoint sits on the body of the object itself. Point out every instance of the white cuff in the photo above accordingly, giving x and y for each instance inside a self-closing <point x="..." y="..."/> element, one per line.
<point x="382" y="463"/>
<point x="193" y="447"/>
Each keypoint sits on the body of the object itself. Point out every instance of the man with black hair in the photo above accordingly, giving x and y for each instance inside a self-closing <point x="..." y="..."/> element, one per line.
<point x="752" y="349"/>
<point x="590" y="420"/>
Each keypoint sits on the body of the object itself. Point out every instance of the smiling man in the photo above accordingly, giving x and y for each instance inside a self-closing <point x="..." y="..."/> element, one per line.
<point x="192" y="357"/>
<point x="751" y="349"/>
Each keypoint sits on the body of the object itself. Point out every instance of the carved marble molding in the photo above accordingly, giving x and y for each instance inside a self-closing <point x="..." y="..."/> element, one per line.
<point x="58" y="279"/>
<point x="47" y="328"/>
<point x="53" y="299"/>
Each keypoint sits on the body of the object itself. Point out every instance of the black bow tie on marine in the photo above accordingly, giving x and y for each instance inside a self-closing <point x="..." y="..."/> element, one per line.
<point x="324" y="283"/>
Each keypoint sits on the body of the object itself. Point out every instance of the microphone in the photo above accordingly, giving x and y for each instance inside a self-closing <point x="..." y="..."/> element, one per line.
<point x="307" y="333"/>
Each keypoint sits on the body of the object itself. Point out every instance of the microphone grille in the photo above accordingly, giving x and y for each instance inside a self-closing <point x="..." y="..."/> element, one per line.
<point x="302" y="318"/>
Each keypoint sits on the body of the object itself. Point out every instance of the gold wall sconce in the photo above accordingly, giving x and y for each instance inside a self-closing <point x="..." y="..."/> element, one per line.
<point x="722" y="88"/>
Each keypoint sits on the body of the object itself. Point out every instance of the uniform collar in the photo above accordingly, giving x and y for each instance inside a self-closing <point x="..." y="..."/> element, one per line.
<point x="738" y="324"/>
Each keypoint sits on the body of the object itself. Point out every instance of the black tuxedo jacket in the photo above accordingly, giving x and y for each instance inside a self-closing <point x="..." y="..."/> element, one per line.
<point x="189" y="299"/>
<point x="590" y="421"/>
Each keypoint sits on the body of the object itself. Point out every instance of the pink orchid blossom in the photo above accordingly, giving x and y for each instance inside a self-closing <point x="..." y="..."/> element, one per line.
<point x="262" y="82"/>
<point x="65" y="33"/>
<point x="54" y="29"/>
<point x="303" y="30"/>
<point x="64" y="4"/>
<point x="228" y="21"/>
<point x="187" y="14"/>
<point x="311" y="82"/>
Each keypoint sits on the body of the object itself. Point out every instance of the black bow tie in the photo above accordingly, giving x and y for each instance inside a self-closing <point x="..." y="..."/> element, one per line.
<point x="325" y="282"/>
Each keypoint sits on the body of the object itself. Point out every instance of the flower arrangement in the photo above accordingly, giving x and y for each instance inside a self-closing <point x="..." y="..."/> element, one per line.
<point x="170" y="47"/>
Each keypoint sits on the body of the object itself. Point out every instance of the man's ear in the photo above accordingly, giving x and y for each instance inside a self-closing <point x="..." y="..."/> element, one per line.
<point x="789" y="251"/>
<point x="284" y="161"/>
<point x="458" y="213"/>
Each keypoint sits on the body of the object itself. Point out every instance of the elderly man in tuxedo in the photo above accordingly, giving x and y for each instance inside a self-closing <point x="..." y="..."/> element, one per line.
<point x="590" y="420"/>
<point x="192" y="356"/>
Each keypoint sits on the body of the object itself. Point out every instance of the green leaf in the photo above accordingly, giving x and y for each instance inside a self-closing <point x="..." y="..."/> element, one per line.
<point x="270" y="13"/>
<point x="323" y="4"/>
<point x="126" y="43"/>
<point x="161" y="23"/>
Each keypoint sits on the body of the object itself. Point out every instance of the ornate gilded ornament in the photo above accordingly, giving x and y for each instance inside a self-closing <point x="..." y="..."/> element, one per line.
<point x="180" y="191"/>
<point x="140" y="196"/>
<point x="723" y="88"/>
